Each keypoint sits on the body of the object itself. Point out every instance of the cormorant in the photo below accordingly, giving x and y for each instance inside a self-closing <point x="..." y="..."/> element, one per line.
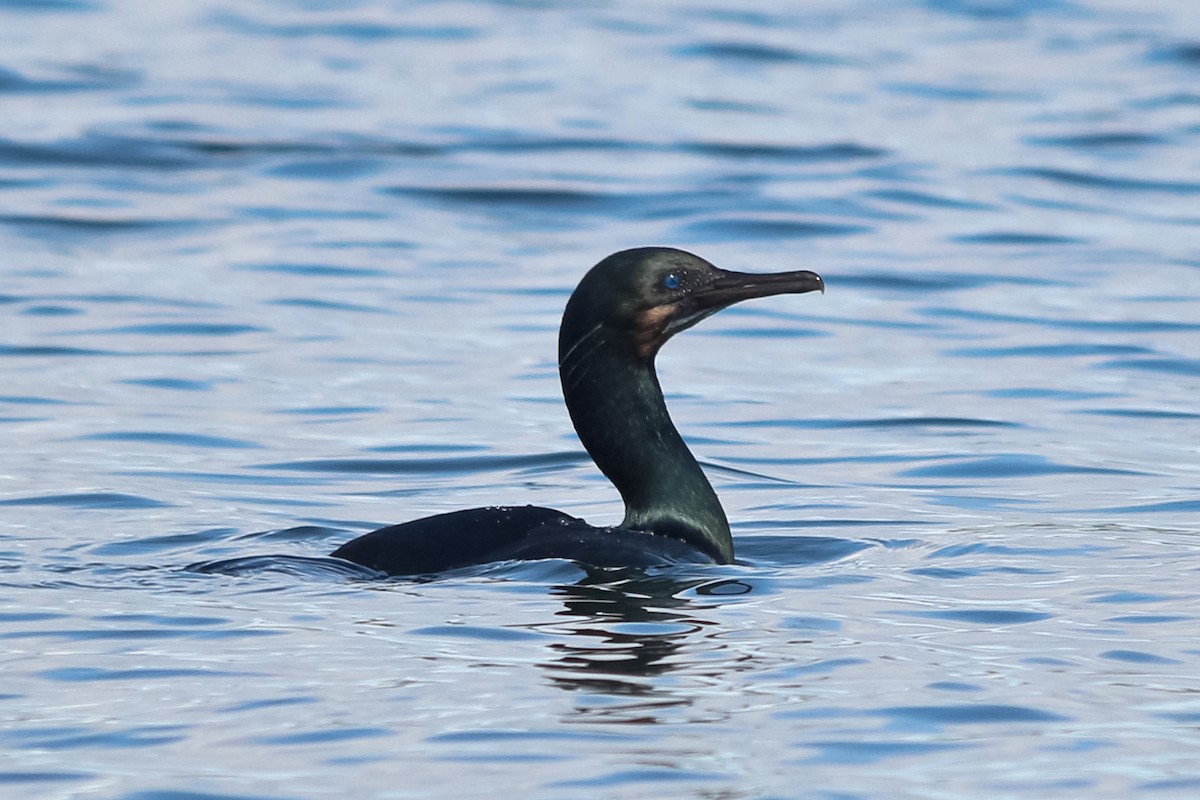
<point x="616" y="320"/>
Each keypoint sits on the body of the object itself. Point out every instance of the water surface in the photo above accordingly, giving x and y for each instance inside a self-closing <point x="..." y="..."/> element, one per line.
<point x="277" y="273"/>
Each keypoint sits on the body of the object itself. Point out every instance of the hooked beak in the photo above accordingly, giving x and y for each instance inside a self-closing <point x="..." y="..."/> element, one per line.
<point x="733" y="287"/>
<point x="662" y="322"/>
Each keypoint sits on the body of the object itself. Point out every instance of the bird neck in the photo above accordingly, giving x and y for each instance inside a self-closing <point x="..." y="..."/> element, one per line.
<point x="617" y="407"/>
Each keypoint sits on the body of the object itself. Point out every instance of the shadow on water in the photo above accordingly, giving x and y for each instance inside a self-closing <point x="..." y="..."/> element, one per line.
<point x="309" y="567"/>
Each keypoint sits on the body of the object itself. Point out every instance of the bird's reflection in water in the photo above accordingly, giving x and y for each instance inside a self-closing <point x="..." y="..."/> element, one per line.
<point x="623" y="637"/>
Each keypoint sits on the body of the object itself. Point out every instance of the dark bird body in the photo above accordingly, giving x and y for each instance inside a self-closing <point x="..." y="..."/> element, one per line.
<point x="619" y="316"/>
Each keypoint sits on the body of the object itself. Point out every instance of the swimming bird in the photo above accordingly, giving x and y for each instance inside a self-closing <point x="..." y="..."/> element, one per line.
<point x="624" y="309"/>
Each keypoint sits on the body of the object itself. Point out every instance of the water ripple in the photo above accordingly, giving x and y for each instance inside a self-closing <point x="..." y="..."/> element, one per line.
<point x="302" y="567"/>
<point x="354" y="30"/>
<point x="1088" y="141"/>
<point x="969" y="714"/>
<point x="323" y="736"/>
<point x="1013" y="465"/>
<point x="1066" y="350"/>
<point x="544" y="198"/>
<point x="172" y="439"/>
<point x="1016" y="238"/>
<point x="776" y="226"/>
<point x="1139" y="413"/>
<point x="1186" y="54"/>
<point x="993" y="10"/>
<point x="184" y="329"/>
<point x="87" y="500"/>
<point x="13" y="778"/>
<point x="928" y="200"/>
<point x="315" y="270"/>
<point x="62" y="224"/>
<point x="795" y="550"/>
<point x="174" y="384"/>
<point x="97" y="149"/>
<point x="1172" y="366"/>
<point x="48" y="6"/>
<point x="984" y="616"/>
<point x="1130" y="597"/>
<point x="833" y="151"/>
<point x="1137" y="657"/>
<point x="39" y="351"/>
<point x="1113" y="325"/>
<point x="405" y="466"/>
<point x="864" y="751"/>
<point x="77" y="79"/>
<point x="73" y="739"/>
<point x="1111" y="182"/>
<point x="1166" y="506"/>
<point x="754" y="53"/>
<point x="883" y="422"/>
<point x="139" y="674"/>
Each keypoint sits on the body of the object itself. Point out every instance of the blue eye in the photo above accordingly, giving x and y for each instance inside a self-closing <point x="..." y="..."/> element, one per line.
<point x="671" y="281"/>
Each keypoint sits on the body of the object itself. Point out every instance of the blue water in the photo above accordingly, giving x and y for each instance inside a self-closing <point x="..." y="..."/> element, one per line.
<point x="275" y="273"/>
